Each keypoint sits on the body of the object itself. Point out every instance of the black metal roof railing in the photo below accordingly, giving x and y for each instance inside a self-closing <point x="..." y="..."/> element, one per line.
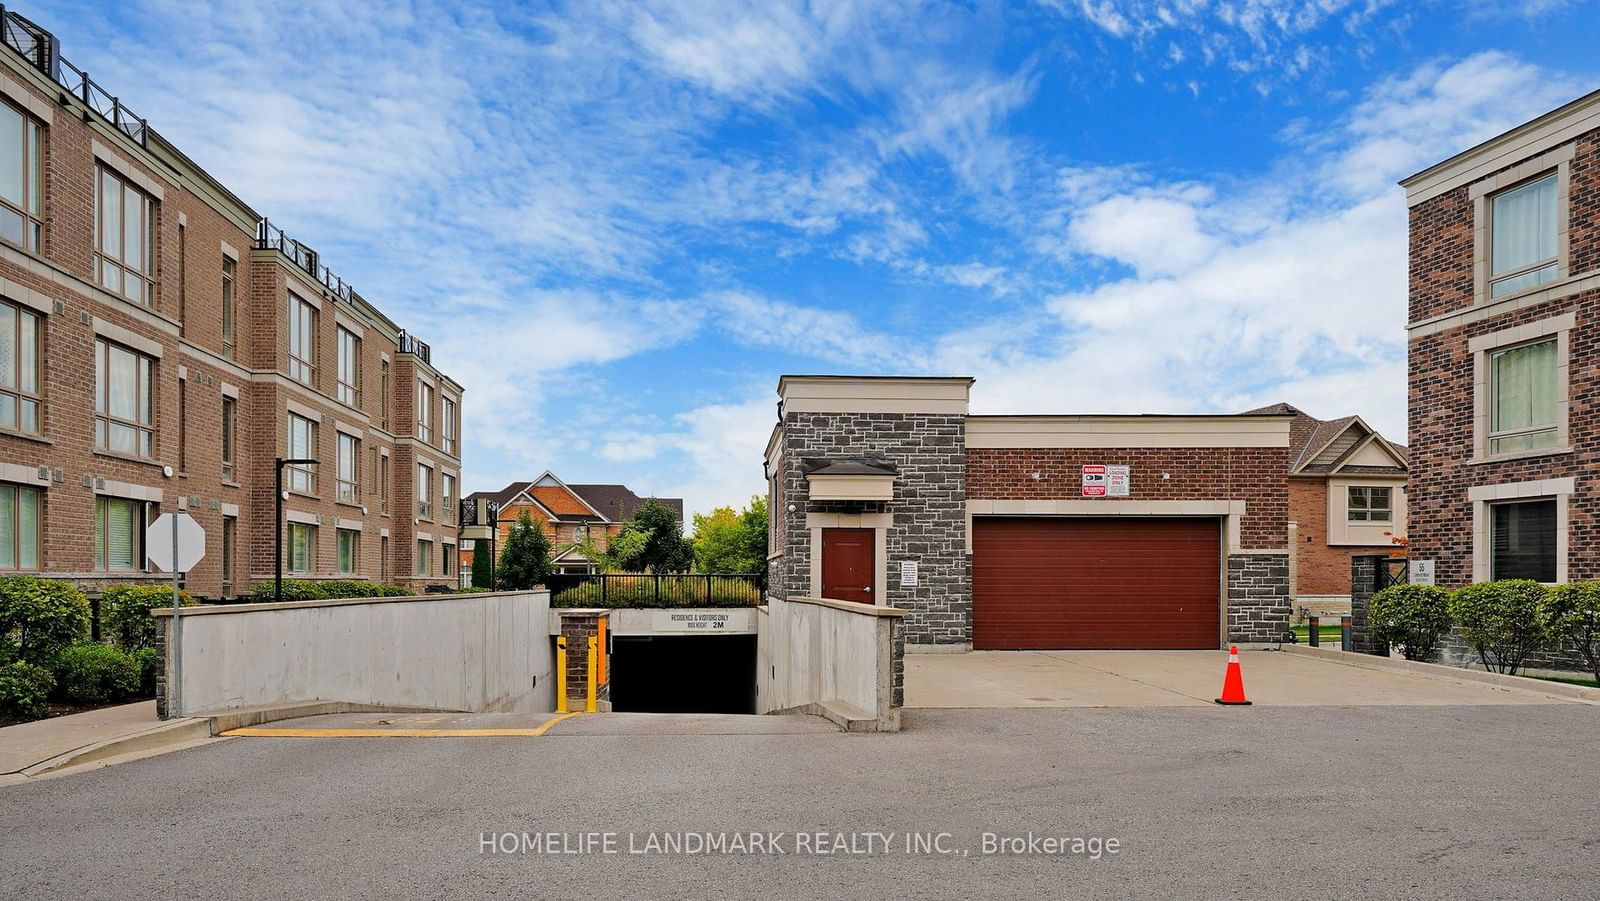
<point x="271" y="237"/>
<point x="42" y="50"/>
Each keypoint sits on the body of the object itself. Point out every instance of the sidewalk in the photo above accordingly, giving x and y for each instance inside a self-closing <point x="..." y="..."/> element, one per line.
<point x="30" y="748"/>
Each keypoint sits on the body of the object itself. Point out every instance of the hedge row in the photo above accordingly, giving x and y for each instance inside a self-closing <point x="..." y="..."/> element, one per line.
<point x="1503" y="622"/>
<point x="327" y="590"/>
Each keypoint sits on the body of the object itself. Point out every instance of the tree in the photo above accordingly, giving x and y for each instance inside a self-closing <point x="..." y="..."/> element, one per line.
<point x="1574" y="617"/>
<point x="482" y="564"/>
<point x="652" y="541"/>
<point x="1503" y="621"/>
<point x="729" y="542"/>
<point x="1415" y="617"/>
<point x="525" y="560"/>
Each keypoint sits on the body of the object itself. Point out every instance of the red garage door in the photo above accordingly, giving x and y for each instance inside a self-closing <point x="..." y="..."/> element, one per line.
<point x="1096" y="583"/>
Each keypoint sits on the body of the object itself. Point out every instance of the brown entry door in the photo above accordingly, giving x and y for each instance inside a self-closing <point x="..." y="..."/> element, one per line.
<point x="848" y="565"/>
<point x="1096" y="583"/>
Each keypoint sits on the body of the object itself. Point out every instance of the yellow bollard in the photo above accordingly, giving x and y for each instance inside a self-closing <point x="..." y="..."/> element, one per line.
<point x="600" y="625"/>
<point x="594" y="643"/>
<point x="561" y="674"/>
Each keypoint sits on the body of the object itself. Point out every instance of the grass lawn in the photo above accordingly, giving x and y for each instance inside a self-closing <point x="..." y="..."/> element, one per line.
<point x="1329" y="634"/>
<point x="1570" y="680"/>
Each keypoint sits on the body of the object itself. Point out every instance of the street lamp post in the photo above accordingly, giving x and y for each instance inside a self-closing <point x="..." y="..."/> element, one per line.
<point x="277" y="520"/>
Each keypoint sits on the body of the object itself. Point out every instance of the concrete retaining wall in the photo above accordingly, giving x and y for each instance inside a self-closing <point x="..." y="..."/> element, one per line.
<point x="475" y="652"/>
<point x="833" y="658"/>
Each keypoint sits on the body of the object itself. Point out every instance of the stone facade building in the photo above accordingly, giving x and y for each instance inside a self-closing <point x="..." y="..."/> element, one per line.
<point x="1029" y="531"/>
<point x="161" y="343"/>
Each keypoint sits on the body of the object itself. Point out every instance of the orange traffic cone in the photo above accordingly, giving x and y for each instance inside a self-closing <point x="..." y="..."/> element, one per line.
<point x="1233" y="682"/>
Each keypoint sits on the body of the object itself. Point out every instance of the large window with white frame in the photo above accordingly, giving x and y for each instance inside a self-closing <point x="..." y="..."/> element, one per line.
<point x="302" y="341"/>
<point x="302" y="446"/>
<point x="118" y="534"/>
<point x="1368" y="503"/>
<point x="20" y="506"/>
<point x="447" y="425"/>
<point x="349" y="549"/>
<point x="21" y="178"/>
<point x="302" y="547"/>
<point x="124" y="400"/>
<point x="1522" y="540"/>
<point x="424" y="491"/>
<point x="125" y="243"/>
<point x="20" y="397"/>
<point x="447" y="498"/>
<point x="1523" y="231"/>
<point x="349" y="367"/>
<point x="1524" y="406"/>
<point x="424" y="557"/>
<point x="349" y="469"/>
<point x="424" y="411"/>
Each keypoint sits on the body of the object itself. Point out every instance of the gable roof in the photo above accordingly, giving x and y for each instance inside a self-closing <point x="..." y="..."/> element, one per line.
<point x="1326" y="447"/>
<point x="618" y="502"/>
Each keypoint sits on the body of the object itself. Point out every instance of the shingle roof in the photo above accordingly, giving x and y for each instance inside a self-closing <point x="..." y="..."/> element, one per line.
<point x="1308" y="435"/>
<point x="848" y="466"/>
<point x="618" y="502"/>
<point x="504" y="495"/>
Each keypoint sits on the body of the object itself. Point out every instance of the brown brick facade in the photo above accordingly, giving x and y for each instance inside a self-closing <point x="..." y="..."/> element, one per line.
<point x="197" y="224"/>
<point x="1321" y="568"/>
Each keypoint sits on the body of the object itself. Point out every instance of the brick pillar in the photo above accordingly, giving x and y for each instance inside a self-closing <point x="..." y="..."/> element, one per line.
<point x="577" y="627"/>
<point x="1364" y="572"/>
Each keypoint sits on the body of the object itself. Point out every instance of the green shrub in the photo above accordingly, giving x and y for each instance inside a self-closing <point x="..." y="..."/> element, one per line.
<point x="39" y="617"/>
<point x="1503" y="621"/>
<point x="125" y="613"/>
<point x="395" y="591"/>
<point x="473" y="589"/>
<point x="24" y="688"/>
<point x="149" y="662"/>
<point x="640" y="590"/>
<point x="1415" y="617"/>
<point x="1572" y="613"/>
<point x="92" y="673"/>
<point x="350" y="588"/>
<point x="293" y="590"/>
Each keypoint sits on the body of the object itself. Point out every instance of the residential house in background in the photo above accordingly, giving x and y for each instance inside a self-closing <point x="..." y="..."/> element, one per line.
<point x="161" y="342"/>
<point x="1347" y="497"/>
<point x="1503" y="359"/>
<point x="570" y="514"/>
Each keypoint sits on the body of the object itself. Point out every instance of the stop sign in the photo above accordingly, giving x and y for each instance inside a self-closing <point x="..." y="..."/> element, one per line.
<point x="158" y="544"/>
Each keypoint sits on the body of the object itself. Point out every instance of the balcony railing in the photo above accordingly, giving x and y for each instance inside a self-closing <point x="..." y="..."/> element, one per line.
<point x="410" y="344"/>
<point x="271" y="237"/>
<point x="43" y="51"/>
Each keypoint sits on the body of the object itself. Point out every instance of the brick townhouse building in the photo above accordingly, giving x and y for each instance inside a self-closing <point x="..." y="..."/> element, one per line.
<point x="161" y="343"/>
<point x="1503" y="356"/>
<point x="1057" y="531"/>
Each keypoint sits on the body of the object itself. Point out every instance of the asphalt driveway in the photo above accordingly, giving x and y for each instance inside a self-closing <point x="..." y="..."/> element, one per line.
<point x="1176" y="679"/>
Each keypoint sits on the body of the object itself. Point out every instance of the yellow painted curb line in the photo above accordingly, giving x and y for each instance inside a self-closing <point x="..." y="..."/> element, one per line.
<point x="259" y="732"/>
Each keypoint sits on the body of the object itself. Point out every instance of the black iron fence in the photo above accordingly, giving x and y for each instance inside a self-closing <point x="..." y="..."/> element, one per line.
<point x="43" y="51"/>
<point x="271" y="237"/>
<point x="656" y="589"/>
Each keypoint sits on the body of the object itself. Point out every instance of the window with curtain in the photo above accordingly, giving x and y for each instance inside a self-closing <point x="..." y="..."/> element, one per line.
<point x="302" y="341"/>
<point x="19" y="527"/>
<point x="230" y="272"/>
<point x="424" y="412"/>
<point x="21" y="178"/>
<point x="349" y="541"/>
<point x="349" y="466"/>
<point x="349" y="368"/>
<point x="1523" y="227"/>
<point x="1522" y="398"/>
<point x="424" y="492"/>
<point x="424" y="557"/>
<point x="20" y="397"/>
<point x="447" y="498"/>
<point x="1523" y="540"/>
<point x="447" y="425"/>
<point x="302" y="446"/>
<point x="302" y="547"/>
<point x="124" y="400"/>
<point x="125" y="238"/>
<point x="118" y="534"/>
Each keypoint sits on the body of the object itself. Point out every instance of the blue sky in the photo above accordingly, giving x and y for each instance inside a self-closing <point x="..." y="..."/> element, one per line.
<point x="618" y="223"/>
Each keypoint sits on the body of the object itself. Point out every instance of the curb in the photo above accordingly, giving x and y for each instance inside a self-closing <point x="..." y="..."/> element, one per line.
<point x="1499" y="680"/>
<point x="173" y="734"/>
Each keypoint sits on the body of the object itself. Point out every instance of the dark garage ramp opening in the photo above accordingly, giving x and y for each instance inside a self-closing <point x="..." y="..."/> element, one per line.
<point x="683" y="674"/>
<point x="1130" y="582"/>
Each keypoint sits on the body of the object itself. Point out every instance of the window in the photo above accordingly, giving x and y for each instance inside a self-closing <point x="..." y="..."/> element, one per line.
<point x="125" y="239"/>
<point x="580" y="534"/>
<point x="118" y="535"/>
<point x="349" y="543"/>
<point x="302" y="446"/>
<point x="19" y="527"/>
<point x="230" y="539"/>
<point x="302" y="341"/>
<point x="230" y="423"/>
<point x="349" y="368"/>
<point x="183" y="275"/>
<point x="230" y="272"/>
<point x="1523" y="233"/>
<point x="424" y="411"/>
<point x="424" y="557"/>
<point x="383" y="481"/>
<point x="447" y="425"/>
<point x="383" y="389"/>
<point x="1370" y="504"/>
<point x="19" y="369"/>
<point x="424" y="492"/>
<point x="446" y="552"/>
<point x="183" y="427"/>
<point x="383" y="558"/>
<point x="349" y="468"/>
<point x="1523" y="406"/>
<point x="302" y="547"/>
<point x="1523" y="540"/>
<point x="447" y="498"/>
<point x="124" y="400"/>
<point x="21" y="178"/>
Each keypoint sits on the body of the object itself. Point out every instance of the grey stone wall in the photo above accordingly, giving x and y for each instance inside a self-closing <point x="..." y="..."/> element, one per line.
<point x="929" y="510"/>
<point x="1364" y="571"/>
<point x="1258" y="597"/>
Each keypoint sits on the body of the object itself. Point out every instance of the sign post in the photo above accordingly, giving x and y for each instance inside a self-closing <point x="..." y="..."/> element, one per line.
<point x="175" y="542"/>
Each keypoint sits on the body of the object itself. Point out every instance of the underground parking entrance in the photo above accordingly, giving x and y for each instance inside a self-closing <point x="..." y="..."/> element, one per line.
<point x="683" y="674"/>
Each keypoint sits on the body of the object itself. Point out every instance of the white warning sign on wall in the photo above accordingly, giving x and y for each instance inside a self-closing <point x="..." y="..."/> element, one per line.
<point x="1117" y="483"/>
